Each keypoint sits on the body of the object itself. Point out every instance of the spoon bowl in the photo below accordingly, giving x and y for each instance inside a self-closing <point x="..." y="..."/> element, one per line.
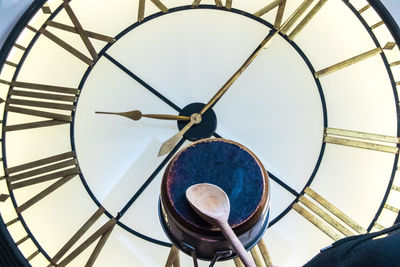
<point x="212" y="204"/>
<point x="210" y="201"/>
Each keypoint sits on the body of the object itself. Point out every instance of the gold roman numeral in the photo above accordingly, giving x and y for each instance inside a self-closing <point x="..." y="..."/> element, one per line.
<point x="256" y="255"/>
<point x="31" y="103"/>
<point x="142" y="6"/>
<point x="281" y="8"/>
<point x="218" y="3"/>
<point x="353" y="60"/>
<point x="334" y="228"/>
<point x="238" y="262"/>
<point x="173" y="257"/>
<point x="103" y="233"/>
<point x="396" y="63"/>
<point x="3" y="197"/>
<point x="78" y="29"/>
<point x="278" y="19"/>
<point x="228" y="4"/>
<point x="260" y="255"/>
<point x="295" y="18"/>
<point x="352" y="139"/>
<point x="46" y="9"/>
<point x="90" y="34"/>
<point x="264" y="252"/>
<point x="300" y="26"/>
<point x="63" y="167"/>
<point x="307" y="19"/>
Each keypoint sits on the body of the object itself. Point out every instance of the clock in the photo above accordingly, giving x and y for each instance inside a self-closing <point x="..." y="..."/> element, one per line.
<point x="309" y="86"/>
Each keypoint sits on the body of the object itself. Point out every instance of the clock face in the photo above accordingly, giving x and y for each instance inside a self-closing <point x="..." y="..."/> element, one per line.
<point x="318" y="106"/>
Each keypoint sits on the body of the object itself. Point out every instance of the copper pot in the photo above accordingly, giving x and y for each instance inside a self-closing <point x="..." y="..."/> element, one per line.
<point x="239" y="173"/>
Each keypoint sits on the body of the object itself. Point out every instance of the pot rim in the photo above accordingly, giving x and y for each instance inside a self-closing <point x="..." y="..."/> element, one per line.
<point x="240" y="228"/>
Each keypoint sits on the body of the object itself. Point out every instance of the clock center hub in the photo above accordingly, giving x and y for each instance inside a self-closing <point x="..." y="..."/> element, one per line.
<point x="205" y="124"/>
<point x="196" y="118"/>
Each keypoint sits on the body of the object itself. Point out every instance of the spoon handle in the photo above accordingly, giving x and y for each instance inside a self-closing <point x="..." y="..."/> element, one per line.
<point x="236" y="244"/>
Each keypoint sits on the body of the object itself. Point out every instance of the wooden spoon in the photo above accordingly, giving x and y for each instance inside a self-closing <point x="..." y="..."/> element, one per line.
<point x="212" y="204"/>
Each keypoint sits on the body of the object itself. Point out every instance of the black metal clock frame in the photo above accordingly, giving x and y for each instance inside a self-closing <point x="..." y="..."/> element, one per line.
<point x="36" y="5"/>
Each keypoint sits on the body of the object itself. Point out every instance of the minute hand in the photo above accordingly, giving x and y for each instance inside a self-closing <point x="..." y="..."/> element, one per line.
<point x="168" y="145"/>
<point x="264" y="44"/>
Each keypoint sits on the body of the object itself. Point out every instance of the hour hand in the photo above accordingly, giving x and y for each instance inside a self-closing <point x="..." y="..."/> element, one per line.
<point x="137" y="115"/>
<point x="169" y="145"/>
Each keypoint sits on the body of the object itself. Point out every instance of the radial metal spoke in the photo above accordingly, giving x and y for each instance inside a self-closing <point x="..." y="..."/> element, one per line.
<point x="283" y="184"/>
<point x="150" y="179"/>
<point x="143" y="83"/>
